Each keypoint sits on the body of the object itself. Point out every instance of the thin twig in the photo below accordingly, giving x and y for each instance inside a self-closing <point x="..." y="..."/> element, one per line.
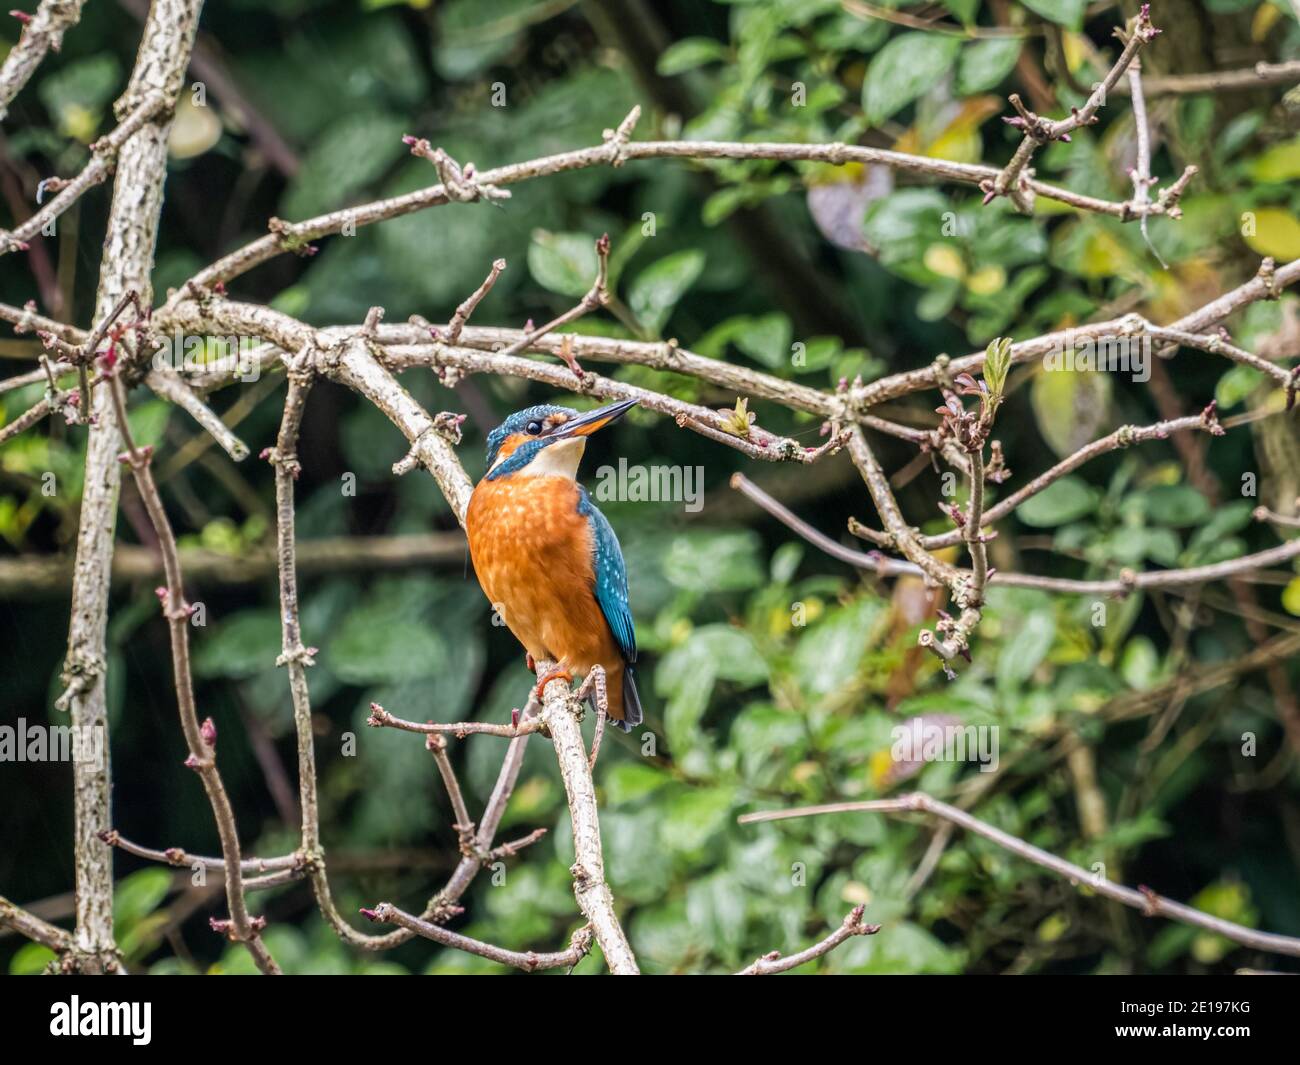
<point x="529" y="961"/>
<point x="31" y="926"/>
<point x="1143" y="899"/>
<point x="381" y="718"/>
<point x="773" y="963"/>
<point x="42" y="33"/>
<point x="200" y="738"/>
<point x="183" y="859"/>
<point x="103" y="155"/>
<point x="1040" y="131"/>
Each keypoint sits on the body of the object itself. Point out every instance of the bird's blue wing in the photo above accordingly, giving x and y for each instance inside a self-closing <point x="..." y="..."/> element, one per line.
<point x="610" y="577"/>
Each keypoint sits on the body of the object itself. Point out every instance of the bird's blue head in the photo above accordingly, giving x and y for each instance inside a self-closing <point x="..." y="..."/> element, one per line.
<point x="547" y="438"/>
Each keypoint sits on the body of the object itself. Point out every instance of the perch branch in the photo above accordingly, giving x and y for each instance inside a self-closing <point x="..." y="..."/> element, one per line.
<point x="561" y="713"/>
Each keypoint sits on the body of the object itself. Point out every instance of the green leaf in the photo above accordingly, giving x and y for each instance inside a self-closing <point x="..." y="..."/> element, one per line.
<point x="1227" y="519"/>
<point x="997" y="361"/>
<point x="1023" y="651"/>
<point x="785" y="561"/>
<point x="138" y="895"/>
<point x="720" y="561"/>
<point x="983" y="64"/>
<point x="1235" y="385"/>
<point x="1065" y="12"/>
<point x="829" y="656"/>
<point x="372" y="647"/>
<point x="1280" y="163"/>
<point x="147" y="421"/>
<point x="737" y="656"/>
<point x="565" y="263"/>
<point x="723" y="203"/>
<point x="1176" y="505"/>
<point x="766" y="339"/>
<point x="76" y="94"/>
<point x="763" y="730"/>
<point x="1140" y="666"/>
<point x="692" y="817"/>
<point x="626" y="782"/>
<point x="242" y="645"/>
<point x="687" y="674"/>
<point x="30" y="959"/>
<point x="965" y="10"/>
<point x="689" y="53"/>
<point x="1071" y="407"/>
<point x="1291" y="597"/>
<point x="354" y="151"/>
<point x="906" y="67"/>
<point x="1064" y="500"/>
<point x="656" y="290"/>
<point x="715" y="907"/>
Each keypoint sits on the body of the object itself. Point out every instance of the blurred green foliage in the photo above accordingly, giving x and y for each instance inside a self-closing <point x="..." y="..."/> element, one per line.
<point x="772" y="676"/>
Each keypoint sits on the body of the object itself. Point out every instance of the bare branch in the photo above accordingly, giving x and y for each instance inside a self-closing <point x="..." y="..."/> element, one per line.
<point x="463" y="312"/>
<point x="530" y="961"/>
<point x="944" y="574"/>
<point x="1040" y="131"/>
<point x="1259" y="76"/>
<point x="127" y="266"/>
<point x="1143" y="899"/>
<point x="381" y="718"/>
<point x="183" y="859"/>
<point x="42" y="33"/>
<point x="29" y="575"/>
<point x="1122" y="437"/>
<point x="773" y="963"/>
<point x="102" y="159"/>
<point x="1264" y="514"/>
<point x="596" y="296"/>
<point x="464" y="824"/>
<point x="172" y="387"/>
<point x="31" y="926"/>
<point x="561" y="713"/>
<point x="200" y="738"/>
<point x="294" y="236"/>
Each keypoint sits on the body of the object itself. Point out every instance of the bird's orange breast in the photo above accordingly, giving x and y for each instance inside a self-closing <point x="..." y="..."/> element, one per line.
<point x="533" y="553"/>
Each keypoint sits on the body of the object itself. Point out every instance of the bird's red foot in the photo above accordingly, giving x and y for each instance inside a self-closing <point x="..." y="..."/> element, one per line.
<point x="559" y="673"/>
<point x="528" y="661"/>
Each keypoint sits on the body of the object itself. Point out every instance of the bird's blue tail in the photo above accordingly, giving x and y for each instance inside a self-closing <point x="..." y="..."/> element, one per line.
<point x="632" y="715"/>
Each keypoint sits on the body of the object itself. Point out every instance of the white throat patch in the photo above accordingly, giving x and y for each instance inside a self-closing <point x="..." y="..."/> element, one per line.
<point x="555" y="460"/>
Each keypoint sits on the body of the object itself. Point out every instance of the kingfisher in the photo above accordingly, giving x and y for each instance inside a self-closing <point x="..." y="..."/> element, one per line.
<point x="548" y="559"/>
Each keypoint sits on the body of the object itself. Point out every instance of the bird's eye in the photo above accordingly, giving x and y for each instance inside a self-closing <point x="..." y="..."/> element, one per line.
<point x="533" y="428"/>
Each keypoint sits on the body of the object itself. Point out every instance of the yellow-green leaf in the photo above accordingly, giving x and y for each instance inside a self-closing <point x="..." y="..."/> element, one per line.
<point x="1280" y="163"/>
<point x="1276" y="232"/>
<point x="1291" y="597"/>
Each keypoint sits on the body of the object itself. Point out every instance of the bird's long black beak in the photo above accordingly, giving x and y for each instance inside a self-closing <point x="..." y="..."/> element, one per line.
<point x="586" y="424"/>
